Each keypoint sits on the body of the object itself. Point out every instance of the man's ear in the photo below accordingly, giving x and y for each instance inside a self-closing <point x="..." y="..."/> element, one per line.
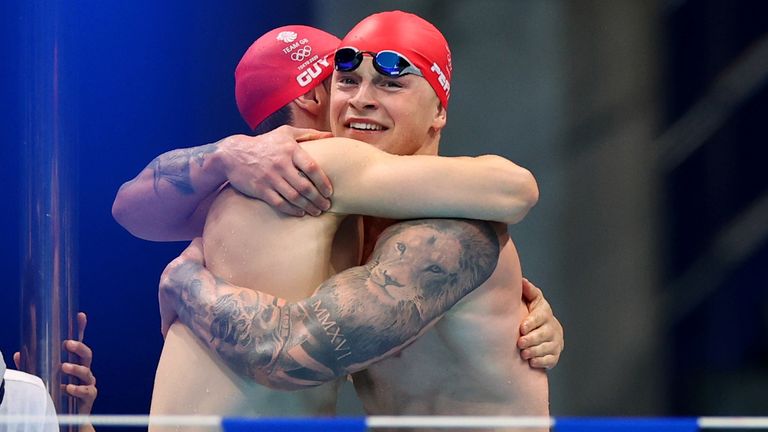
<point x="310" y="102"/>
<point x="441" y="117"/>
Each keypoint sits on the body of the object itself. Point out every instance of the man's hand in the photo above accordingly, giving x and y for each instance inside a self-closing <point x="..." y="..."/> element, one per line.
<point x="541" y="340"/>
<point x="273" y="168"/>
<point x="169" y="294"/>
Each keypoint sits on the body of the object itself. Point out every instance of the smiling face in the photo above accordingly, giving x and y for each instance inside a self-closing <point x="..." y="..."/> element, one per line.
<point x="398" y="115"/>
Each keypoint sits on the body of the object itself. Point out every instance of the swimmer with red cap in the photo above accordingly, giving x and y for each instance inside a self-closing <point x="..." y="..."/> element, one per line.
<point x="391" y="88"/>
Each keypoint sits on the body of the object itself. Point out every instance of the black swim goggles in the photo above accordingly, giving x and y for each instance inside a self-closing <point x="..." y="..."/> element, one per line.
<point x="388" y="63"/>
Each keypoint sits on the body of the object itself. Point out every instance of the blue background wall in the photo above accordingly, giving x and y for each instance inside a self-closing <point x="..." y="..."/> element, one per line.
<point x="144" y="77"/>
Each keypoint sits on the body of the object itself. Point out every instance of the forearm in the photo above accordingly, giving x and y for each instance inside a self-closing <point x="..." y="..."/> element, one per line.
<point x="518" y="190"/>
<point x="371" y="182"/>
<point x="250" y="330"/>
<point x="484" y="188"/>
<point x="403" y="290"/>
<point x="241" y="325"/>
<point x="167" y="201"/>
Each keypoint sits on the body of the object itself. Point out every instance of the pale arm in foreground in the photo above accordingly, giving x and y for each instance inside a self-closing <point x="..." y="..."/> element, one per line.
<point x="368" y="181"/>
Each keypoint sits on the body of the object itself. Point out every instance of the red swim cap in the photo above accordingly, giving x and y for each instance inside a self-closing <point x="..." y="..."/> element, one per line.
<point x="280" y="66"/>
<point x="412" y="36"/>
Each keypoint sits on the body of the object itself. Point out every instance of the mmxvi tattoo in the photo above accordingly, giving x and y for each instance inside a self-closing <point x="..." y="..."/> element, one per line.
<point x="173" y="167"/>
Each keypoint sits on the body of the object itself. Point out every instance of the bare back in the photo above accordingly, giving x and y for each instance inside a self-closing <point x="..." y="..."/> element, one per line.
<point x="249" y="244"/>
<point x="468" y="364"/>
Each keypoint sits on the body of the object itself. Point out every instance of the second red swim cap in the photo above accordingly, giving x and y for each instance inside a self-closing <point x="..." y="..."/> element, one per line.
<point x="280" y="66"/>
<point x="412" y="36"/>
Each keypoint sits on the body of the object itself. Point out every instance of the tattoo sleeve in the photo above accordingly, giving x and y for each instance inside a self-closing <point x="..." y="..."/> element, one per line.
<point x="174" y="167"/>
<point x="417" y="271"/>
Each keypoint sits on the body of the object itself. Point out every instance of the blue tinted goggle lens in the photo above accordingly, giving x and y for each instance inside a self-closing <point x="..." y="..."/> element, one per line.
<point x="388" y="63"/>
<point x="391" y="62"/>
<point x="347" y="59"/>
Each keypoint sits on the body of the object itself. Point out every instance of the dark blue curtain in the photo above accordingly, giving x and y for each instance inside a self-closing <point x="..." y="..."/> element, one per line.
<point x="142" y="77"/>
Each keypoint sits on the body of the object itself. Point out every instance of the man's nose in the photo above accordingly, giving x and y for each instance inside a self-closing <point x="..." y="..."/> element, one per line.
<point x="364" y="98"/>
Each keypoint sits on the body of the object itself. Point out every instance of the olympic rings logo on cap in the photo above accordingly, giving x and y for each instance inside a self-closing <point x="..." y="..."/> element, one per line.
<point x="302" y="53"/>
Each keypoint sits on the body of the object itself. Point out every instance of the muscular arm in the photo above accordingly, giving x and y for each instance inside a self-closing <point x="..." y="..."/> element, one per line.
<point x="170" y="198"/>
<point x="418" y="270"/>
<point x="371" y="182"/>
